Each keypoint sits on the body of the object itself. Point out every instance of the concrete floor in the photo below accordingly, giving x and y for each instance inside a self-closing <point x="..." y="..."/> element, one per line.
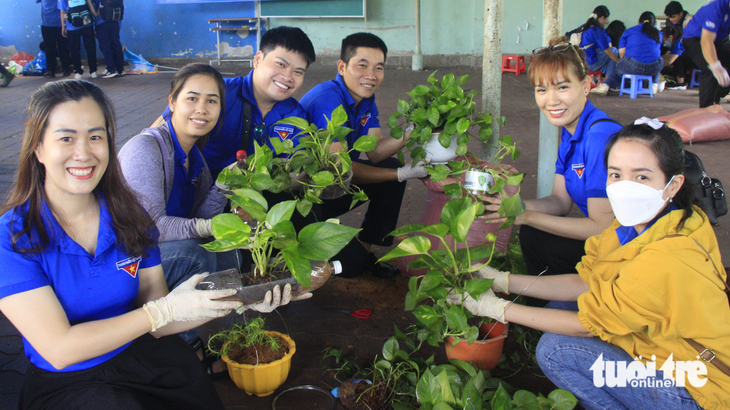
<point x="139" y="99"/>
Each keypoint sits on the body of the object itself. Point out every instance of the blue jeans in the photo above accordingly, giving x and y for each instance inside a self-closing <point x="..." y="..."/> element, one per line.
<point x="185" y="258"/>
<point x="111" y="46"/>
<point x="628" y="65"/>
<point x="603" y="62"/>
<point x="567" y="361"/>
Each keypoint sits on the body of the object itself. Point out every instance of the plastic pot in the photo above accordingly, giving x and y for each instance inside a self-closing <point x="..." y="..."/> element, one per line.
<point x="437" y="152"/>
<point x="485" y="352"/>
<point x="263" y="379"/>
<point x="336" y="190"/>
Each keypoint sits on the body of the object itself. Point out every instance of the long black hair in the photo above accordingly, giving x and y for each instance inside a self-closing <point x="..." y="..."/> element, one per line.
<point x="648" y="22"/>
<point x="598" y="12"/>
<point x="668" y="147"/>
<point x="615" y="30"/>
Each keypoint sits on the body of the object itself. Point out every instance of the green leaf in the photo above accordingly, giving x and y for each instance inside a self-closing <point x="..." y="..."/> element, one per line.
<point x="298" y="265"/>
<point x="462" y="125"/>
<point x="420" y="90"/>
<point x="403" y="106"/>
<point x="426" y="315"/>
<point x="252" y="195"/>
<point x="339" y="116"/>
<point x="526" y="400"/>
<point x="393" y="121"/>
<point x="401" y="156"/>
<point x="322" y="240"/>
<point x="562" y="399"/>
<point x="415" y="245"/>
<point x="419" y="115"/>
<point x="477" y="286"/>
<point x="389" y="348"/>
<point x="431" y="280"/>
<point x="485" y="133"/>
<point x="501" y="399"/>
<point x="433" y="116"/>
<point x="442" y="406"/>
<point x="224" y="246"/>
<point x="323" y="178"/>
<point x="447" y="81"/>
<point x="461" y="225"/>
<point x="229" y="227"/>
<point x="366" y="143"/>
<point x="286" y="235"/>
<point x="300" y="123"/>
<point x="438" y="230"/>
<point x="461" y="149"/>
<point x="304" y="206"/>
<point x="450" y="128"/>
<point x="515" y="179"/>
<point x="424" y="393"/>
<point x="452" y="190"/>
<point x="511" y="206"/>
<point x="455" y="318"/>
<point x="447" y="395"/>
<point x="280" y="212"/>
<point x="358" y="197"/>
<point x="445" y="139"/>
<point x="462" y="80"/>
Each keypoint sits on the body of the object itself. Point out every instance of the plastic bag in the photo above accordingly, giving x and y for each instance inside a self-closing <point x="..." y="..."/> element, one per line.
<point x="22" y="58"/>
<point x="37" y="66"/>
<point x="15" y="68"/>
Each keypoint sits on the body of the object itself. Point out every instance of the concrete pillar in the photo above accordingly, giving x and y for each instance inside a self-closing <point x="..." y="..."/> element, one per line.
<point x="492" y="71"/>
<point x="552" y="26"/>
<point x="417" y="60"/>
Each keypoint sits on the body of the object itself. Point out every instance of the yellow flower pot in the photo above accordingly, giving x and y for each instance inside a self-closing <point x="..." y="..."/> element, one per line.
<point x="263" y="379"/>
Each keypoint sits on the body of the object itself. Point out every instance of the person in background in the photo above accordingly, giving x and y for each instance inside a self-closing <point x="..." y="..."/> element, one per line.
<point x="75" y="34"/>
<point x="679" y="18"/>
<point x="651" y="291"/>
<point x="706" y="42"/>
<point x="6" y="75"/>
<point x="600" y="55"/>
<point x="107" y="32"/>
<point x="615" y="30"/>
<point x="56" y="45"/>
<point x="672" y="51"/>
<point x="640" y="51"/>
<point x="360" y="72"/>
<point x="550" y="239"/>
<point x="677" y="15"/>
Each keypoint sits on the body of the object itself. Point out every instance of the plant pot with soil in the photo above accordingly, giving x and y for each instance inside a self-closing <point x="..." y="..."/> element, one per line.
<point x="486" y="351"/>
<point x="258" y="360"/>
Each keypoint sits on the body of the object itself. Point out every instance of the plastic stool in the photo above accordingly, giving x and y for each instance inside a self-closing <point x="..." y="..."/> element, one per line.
<point x="519" y="66"/>
<point x="636" y="86"/>
<point x="595" y="75"/>
<point x="695" y="81"/>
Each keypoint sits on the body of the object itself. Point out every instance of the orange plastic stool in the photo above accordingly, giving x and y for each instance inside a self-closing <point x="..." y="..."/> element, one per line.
<point x="595" y="76"/>
<point x="519" y="66"/>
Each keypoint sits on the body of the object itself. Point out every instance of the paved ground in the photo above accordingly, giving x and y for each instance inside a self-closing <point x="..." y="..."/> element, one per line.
<point x="139" y="99"/>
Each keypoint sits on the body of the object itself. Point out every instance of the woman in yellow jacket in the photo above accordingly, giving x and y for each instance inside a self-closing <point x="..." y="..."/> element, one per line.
<point x="650" y="292"/>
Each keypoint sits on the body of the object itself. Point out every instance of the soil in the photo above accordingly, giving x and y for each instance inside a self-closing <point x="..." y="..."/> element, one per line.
<point x="258" y="354"/>
<point x="364" y="396"/>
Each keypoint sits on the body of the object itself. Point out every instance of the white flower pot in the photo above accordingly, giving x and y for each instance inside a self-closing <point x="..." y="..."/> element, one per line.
<point x="436" y="151"/>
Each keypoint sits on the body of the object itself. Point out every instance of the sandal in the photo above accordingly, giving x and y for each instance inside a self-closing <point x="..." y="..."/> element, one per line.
<point x="208" y="360"/>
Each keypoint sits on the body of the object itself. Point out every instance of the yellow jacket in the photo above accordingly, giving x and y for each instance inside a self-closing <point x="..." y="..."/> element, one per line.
<point x="648" y="295"/>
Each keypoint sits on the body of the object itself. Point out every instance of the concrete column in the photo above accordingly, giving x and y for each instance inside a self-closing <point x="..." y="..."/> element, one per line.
<point x="552" y="26"/>
<point x="417" y="60"/>
<point x="492" y="71"/>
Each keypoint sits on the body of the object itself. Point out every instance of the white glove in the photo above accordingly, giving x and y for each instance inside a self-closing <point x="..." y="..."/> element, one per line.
<point x="720" y="73"/>
<point x="501" y="279"/>
<point x="271" y="301"/>
<point x="187" y="304"/>
<point x="488" y="305"/>
<point x="410" y="170"/>
<point x="204" y="227"/>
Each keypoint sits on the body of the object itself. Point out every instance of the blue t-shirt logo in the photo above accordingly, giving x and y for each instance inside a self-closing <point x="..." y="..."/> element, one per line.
<point x="284" y="132"/>
<point x="578" y="168"/>
<point x="365" y="118"/>
<point x="129" y="265"/>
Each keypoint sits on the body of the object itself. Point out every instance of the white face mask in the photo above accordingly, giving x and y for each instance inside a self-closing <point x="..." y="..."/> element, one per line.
<point x="634" y="203"/>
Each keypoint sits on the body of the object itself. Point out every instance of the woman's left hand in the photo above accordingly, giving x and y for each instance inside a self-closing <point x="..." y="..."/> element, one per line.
<point x="488" y="305"/>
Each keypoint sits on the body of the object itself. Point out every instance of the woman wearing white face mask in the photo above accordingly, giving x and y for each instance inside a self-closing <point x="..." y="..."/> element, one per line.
<point x="650" y="286"/>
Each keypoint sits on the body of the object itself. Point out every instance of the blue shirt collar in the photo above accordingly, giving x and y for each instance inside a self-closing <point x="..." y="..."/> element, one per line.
<point x="195" y="165"/>
<point x="627" y="234"/>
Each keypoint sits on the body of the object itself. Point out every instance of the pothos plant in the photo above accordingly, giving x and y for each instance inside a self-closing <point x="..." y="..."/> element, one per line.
<point x="323" y="168"/>
<point x="263" y="172"/>
<point x="442" y="107"/>
<point x="242" y="335"/>
<point x="274" y="241"/>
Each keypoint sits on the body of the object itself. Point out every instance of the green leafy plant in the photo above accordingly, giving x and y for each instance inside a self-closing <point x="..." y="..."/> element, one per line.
<point x="274" y="241"/>
<point x="443" y="106"/>
<point x="242" y="335"/>
<point x="321" y="168"/>
<point x="264" y="172"/>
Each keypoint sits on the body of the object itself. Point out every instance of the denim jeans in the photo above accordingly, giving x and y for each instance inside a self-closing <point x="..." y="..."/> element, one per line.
<point x="604" y="63"/>
<point x="567" y="361"/>
<point x="108" y="35"/>
<point x="185" y="258"/>
<point x="628" y="65"/>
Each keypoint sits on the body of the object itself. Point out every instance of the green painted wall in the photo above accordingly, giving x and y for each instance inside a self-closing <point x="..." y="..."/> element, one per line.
<point x="455" y="27"/>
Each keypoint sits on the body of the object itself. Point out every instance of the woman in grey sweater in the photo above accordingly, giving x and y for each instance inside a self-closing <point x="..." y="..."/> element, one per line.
<point x="165" y="168"/>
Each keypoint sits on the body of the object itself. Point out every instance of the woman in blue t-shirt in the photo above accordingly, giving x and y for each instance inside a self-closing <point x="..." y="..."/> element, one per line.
<point x="551" y="239"/>
<point x="601" y="55"/>
<point x="640" y="51"/>
<point x="81" y="277"/>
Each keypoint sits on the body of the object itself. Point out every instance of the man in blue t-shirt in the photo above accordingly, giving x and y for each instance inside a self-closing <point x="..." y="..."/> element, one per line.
<point x="360" y="71"/>
<point x="706" y="42"/>
<point x="52" y="38"/>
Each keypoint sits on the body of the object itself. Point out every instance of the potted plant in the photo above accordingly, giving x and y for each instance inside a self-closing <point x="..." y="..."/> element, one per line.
<point x="276" y="248"/>
<point x="258" y="360"/>
<point x="324" y="174"/>
<point x="441" y="114"/>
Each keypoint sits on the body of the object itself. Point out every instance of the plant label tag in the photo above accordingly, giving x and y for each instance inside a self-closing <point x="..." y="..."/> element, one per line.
<point x="478" y="181"/>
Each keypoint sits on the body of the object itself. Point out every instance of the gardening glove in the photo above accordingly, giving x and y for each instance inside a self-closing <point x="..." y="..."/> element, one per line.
<point x="410" y="170"/>
<point x="501" y="279"/>
<point x="720" y="73"/>
<point x="204" y="227"/>
<point x="488" y="305"/>
<point x="187" y="304"/>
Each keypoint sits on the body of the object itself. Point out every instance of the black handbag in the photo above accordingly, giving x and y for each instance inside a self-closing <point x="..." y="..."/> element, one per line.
<point x="708" y="190"/>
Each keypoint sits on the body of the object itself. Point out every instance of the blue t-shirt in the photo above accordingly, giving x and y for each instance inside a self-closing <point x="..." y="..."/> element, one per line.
<point x="185" y="182"/>
<point x="220" y="151"/>
<point x="63" y="5"/>
<point x="581" y="156"/>
<point x="639" y="46"/>
<point x="88" y="287"/>
<point x="321" y="100"/>
<point x="713" y="17"/>
<point x="598" y="39"/>
<point x="50" y="14"/>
